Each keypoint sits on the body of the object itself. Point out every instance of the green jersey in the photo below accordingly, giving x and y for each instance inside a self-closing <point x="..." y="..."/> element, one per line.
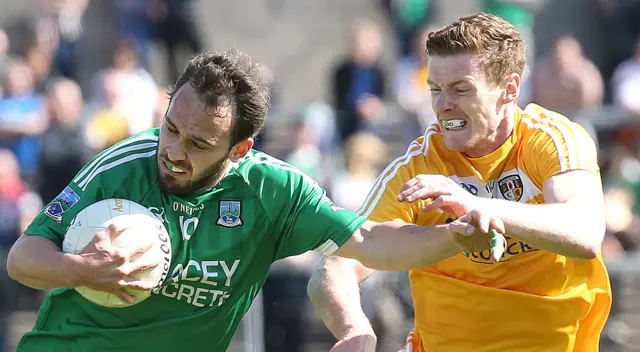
<point x="224" y="240"/>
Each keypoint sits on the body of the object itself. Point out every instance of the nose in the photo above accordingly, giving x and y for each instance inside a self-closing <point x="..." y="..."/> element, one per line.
<point x="443" y="103"/>
<point x="175" y="151"/>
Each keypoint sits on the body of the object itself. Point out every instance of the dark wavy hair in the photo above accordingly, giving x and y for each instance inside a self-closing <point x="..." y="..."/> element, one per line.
<point x="231" y="77"/>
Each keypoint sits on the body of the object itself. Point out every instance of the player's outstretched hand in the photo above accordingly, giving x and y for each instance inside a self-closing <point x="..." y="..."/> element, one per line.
<point x="478" y="231"/>
<point x="444" y="193"/>
<point x="110" y="269"/>
<point x="358" y="343"/>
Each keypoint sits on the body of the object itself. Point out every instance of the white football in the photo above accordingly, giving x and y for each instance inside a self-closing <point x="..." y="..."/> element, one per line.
<point x="141" y="226"/>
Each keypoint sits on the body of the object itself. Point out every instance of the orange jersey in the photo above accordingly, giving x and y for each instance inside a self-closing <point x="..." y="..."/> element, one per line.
<point x="533" y="300"/>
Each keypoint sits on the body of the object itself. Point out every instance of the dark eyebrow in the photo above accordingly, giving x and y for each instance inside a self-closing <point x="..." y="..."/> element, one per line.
<point x="194" y="138"/>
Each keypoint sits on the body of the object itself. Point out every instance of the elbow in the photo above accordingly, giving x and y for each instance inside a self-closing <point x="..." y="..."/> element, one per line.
<point x="314" y="291"/>
<point x="582" y="251"/>
<point x="587" y="252"/>
<point x="13" y="266"/>
<point x="18" y="260"/>
<point x="594" y="247"/>
<point x="315" y="286"/>
<point x="584" y="241"/>
<point x="591" y="247"/>
<point x="596" y="235"/>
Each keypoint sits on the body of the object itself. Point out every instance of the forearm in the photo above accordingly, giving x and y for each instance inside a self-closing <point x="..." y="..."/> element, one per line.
<point x="561" y="228"/>
<point x="335" y="293"/>
<point x="37" y="262"/>
<point x="394" y="246"/>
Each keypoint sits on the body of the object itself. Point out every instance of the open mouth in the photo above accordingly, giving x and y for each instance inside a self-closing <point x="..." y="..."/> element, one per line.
<point x="173" y="169"/>
<point x="452" y="125"/>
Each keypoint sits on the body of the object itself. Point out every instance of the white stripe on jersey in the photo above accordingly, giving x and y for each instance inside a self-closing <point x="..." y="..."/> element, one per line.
<point x="118" y="151"/>
<point x="376" y="184"/>
<point x="327" y="248"/>
<point x="562" y="135"/>
<point x="380" y="185"/>
<point x="113" y="164"/>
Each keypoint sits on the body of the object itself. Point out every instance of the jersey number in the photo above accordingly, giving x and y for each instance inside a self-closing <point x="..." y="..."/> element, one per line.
<point x="188" y="227"/>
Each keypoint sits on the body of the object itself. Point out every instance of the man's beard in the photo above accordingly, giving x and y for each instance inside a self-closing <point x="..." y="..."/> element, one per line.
<point x="210" y="178"/>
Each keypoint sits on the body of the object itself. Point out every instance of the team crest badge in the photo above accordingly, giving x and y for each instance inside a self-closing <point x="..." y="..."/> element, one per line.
<point x="62" y="203"/>
<point x="511" y="187"/>
<point x="230" y="211"/>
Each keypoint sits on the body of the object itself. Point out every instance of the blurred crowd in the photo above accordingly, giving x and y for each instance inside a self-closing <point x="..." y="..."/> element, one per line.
<point x="49" y="126"/>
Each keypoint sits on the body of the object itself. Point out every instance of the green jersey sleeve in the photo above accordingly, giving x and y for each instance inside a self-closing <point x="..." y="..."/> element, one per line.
<point x="302" y="216"/>
<point x="110" y="174"/>
<point x="314" y="222"/>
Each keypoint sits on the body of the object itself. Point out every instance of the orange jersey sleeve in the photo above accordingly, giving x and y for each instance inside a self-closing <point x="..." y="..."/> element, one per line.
<point x="553" y="144"/>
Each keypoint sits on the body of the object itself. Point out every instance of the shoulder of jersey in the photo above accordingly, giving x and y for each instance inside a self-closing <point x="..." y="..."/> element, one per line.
<point x="134" y="156"/>
<point x="537" y="122"/>
<point x="259" y="166"/>
<point x="431" y="141"/>
<point x="423" y="153"/>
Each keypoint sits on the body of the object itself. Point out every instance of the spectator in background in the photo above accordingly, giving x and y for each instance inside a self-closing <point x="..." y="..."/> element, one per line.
<point x="567" y="81"/>
<point x="359" y="83"/>
<point x="4" y="58"/>
<point x="133" y="19"/>
<point x="18" y="202"/>
<point x="621" y="174"/>
<point x="60" y="25"/>
<point x="320" y="118"/>
<point x="622" y="18"/>
<point x="286" y="304"/>
<point x="306" y="154"/>
<point x="275" y="115"/>
<point x="622" y="195"/>
<point x="314" y="144"/>
<point x="64" y="149"/>
<point x="625" y="83"/>
<point x="520" y="13"/>
<point x="412" y="91"/>
<point x="18" y="207"/>
<point x="137" y="93"/>
<point x="176" y="26"/>
<point x="364" y="154"/>
<point x="22" y="117"/>
<point x="161" y="107"/>
<point x="40" y="61"/>
<point x="408" y="18"/>
<point x="108" y="125"/>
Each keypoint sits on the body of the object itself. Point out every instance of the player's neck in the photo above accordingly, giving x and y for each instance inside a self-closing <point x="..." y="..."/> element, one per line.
<point x="500" y="135"/>
<point x="224" y="171"/>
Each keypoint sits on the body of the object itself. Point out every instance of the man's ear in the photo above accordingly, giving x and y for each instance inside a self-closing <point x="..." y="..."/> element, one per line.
<point x="512" y="88"/>
<point x="241" y="149"/>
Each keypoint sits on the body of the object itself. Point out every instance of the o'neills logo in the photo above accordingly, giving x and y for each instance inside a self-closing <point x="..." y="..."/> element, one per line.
<point x="118" y="206"/>
<point x="165" y="247"/>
